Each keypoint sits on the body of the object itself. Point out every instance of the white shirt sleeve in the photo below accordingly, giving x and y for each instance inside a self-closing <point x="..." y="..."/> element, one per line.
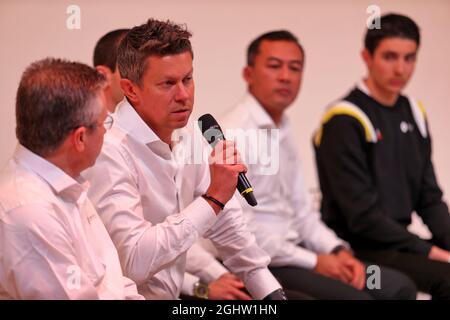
<point x="200" y="266"/>
<point x="40" y="260"/>
<point x="144" y="249"/>
<point x="272" y="240"/>
<point x="237" y="247"/>
<point x="290" y="254"/>
<point x="282" y="223"/>
<point x="203" y="264"/>
<point x="315" y="235"/>
<point x="189" y="281"/>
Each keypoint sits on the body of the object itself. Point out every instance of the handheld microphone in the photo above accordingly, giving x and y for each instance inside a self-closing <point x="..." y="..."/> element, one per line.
<point x="213" y="134"/>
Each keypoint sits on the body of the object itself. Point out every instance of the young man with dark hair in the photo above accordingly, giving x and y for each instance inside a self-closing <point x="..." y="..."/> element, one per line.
<point x="105" y="61"/>
<point x="53" y="245"/>
<point x="373" y="152"/>
<point x="306" y="256"/>
<point x="155" y="205"/>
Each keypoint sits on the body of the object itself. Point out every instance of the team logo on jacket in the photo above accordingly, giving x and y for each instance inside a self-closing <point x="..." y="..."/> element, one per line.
<point x="379" y="135"/>
<point x="405" y="127"/>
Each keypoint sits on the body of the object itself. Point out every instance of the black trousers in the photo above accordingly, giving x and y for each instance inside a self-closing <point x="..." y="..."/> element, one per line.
<point x="394" y="285"/>
<point x="430" y="276"/>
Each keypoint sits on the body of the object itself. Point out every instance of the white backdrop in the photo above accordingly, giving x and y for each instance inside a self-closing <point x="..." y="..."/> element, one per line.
<point x="331" y="32"/>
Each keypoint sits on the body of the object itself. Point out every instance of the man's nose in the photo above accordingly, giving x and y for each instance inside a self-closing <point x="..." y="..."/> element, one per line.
<point x="182" y="92"/>
<point x="284" y="74"/>
<point x="400" y="67"/>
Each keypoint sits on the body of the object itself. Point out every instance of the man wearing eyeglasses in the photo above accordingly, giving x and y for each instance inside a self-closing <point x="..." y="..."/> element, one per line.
<point x="53" y="245"/>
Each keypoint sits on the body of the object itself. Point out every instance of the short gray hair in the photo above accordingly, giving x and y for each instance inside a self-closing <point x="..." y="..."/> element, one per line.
<point x="54" y="97"/>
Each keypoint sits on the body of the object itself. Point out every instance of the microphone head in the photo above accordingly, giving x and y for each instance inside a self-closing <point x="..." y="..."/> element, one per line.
<point x="207" y="122"/>
<point x="210" y="129"/>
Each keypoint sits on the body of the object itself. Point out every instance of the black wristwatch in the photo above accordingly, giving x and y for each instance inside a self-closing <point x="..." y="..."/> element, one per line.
<point x="276" y="295"/>
<point x="338" y="249"/>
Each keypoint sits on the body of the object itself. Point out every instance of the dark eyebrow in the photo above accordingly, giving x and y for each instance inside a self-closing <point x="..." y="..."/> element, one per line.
<point x="396" y="54"/>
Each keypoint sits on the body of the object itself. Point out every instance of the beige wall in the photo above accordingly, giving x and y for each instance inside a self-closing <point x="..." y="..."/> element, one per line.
<point x="331" y="32"/>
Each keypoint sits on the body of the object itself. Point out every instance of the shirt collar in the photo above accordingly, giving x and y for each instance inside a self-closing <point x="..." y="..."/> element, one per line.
<point x="260" y="116"/>
<point x="61" y="182"/>
<point x="129" y="120"/>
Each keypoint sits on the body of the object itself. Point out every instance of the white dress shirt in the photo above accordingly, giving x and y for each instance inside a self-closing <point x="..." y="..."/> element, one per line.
<point x="282" y="219"/>
<point x="151" y="206"/>
<point x="53" y="245"/>
<point x="202" y="266"/>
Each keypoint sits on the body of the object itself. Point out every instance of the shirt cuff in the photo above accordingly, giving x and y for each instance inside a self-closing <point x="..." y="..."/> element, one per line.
<point x="187" y="287"/>
<point x="261" y="283"/>
<point x="213" y="271"/>
<point x="342" y="244"/>
<point x="201" y="214"/>
<point x="305" y="258"/>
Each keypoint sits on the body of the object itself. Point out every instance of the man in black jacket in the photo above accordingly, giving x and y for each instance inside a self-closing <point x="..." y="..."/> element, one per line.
<point x="373" y="153"/>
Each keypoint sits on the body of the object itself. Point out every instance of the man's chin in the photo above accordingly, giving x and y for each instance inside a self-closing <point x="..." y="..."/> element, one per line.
<point x="396" y="88"/>
<point x="284" y="104"/>
<point x="181" y="123"/>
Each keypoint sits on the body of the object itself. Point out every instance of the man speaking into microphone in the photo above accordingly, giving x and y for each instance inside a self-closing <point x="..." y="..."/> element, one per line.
<point x="155" y="206"/>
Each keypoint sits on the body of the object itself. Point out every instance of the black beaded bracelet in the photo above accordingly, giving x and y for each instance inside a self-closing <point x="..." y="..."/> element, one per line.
<point x="208" y="197"/>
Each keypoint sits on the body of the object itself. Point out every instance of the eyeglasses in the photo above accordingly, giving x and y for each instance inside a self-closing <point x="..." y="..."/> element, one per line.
<point x="107" y="124"/>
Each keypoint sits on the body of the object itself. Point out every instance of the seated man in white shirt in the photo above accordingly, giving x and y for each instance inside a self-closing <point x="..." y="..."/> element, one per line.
<point x="53" y="245"/>
<point x="306" y="255"/>
<point x="155" y="205"/>
<point x="205" y="276"/>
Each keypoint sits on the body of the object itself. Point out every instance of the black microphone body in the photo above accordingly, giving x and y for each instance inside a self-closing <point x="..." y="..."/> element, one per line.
<point x="213" y="134"/>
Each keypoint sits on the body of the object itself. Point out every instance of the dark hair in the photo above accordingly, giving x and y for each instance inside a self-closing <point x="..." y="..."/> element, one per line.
<point x="53" y="98"/>
<point x="278" y="35"/>
<point x="392" y="26"/>
<point x="105" y="52"/>
<point x="151" y="38"/>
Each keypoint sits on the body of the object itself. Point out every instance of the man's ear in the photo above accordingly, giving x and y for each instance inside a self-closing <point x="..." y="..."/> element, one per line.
<point x="104" y="70"/>
<point x="247" y="73"/>
<point x="129" y="89"/>
<point x="367" y="57"/>
<point x="78" y="138"/>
